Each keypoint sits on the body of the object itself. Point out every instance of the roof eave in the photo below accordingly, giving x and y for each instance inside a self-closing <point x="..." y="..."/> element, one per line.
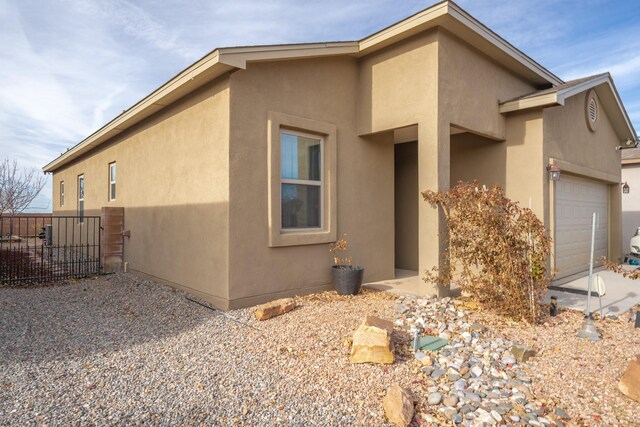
<point x="611" y="100"/>
<point x="446" y="14"/>
<point x="456" y="20"/>
<point x="542" y="101"/>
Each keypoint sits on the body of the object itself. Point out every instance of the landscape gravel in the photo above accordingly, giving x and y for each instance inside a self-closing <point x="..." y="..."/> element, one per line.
<point x="580" y="374"/>
<point x="120" y="350"/>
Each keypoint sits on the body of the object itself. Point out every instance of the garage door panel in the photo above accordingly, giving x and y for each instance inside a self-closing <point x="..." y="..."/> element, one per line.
<point x="576" y="200"/>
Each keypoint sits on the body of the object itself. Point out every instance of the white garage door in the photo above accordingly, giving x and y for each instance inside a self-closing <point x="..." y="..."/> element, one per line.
<point x="576" y="200"/>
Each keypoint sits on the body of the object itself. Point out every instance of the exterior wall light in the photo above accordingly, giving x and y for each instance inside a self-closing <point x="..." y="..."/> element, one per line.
<point x="625" y="188"/>
<point x="554" y="172"/>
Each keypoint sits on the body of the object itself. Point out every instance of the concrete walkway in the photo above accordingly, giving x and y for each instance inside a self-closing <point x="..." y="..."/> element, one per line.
<point x="407" y="282"/>
<point x="621" y="294"/>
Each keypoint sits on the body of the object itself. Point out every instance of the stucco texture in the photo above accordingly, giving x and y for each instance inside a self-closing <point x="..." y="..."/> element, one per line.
<point x="195" y="179"/>
<point x="324" y="90"/>
<point x="577" y="150"/>
<point x="172" y="179"/>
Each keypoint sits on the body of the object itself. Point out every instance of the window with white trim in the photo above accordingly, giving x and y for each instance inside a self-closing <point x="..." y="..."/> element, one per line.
<point x="80" y="199"/>
<point x="301" y="183"/>
<point x="112" y="181"/>
<point x="61" y="193"/>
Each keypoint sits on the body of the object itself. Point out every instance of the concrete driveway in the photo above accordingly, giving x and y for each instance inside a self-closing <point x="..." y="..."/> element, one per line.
<point x="621" y="294"/>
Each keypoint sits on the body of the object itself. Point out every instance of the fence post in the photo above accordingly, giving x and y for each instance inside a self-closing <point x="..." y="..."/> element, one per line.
<point x="112" y="241"/>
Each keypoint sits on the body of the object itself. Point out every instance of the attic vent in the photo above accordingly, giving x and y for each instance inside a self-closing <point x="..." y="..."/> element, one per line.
<point x="591" y="110"/>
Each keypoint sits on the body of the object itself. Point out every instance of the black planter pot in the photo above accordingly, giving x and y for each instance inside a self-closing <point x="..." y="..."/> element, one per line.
<point x="347" y="279"/>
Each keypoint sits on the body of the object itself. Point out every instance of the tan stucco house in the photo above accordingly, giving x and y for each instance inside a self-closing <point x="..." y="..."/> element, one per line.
<point x="237" y="173"/>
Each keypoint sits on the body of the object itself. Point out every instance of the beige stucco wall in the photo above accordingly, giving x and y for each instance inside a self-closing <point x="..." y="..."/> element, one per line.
<point x="323" y="90"/>
<point x="398" y="87"/>
<point x="172" y="180"/>
<point x="582" y="152"/>
<point x="471" y="87"/>
<point x="514" y="164"/>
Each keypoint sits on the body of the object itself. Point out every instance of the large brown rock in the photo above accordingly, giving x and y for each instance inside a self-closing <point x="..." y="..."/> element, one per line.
<point x="372" y="342"/>
<point x="629" y="385"/>
<point x="398" y="406"/>
<point x="274" y="308"/>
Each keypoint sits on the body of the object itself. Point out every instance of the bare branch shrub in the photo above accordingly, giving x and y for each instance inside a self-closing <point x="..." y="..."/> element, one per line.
<point x="338" y="251"/>
<point x="499" y="248"/>
<point x="18" y="187"/>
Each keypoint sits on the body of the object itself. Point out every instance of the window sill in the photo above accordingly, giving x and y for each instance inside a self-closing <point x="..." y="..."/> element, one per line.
<point x="298" y="238"/>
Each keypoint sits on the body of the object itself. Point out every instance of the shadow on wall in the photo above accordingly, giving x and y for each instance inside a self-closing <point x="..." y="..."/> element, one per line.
<point x="475" y="157"/>
<point x="93" y="316"/>
<point x="181" y="244"/>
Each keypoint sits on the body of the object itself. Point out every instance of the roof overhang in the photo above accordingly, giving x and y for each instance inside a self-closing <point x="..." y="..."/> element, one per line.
<point x="456" y="20"/>
<point x="607" y="94"/>
<point x="446" y="15"/>
<point x="630" y="161"/>
<point x="210" y="67"/>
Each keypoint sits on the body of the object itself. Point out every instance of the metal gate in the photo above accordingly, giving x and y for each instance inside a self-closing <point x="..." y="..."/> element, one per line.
<point x="35" y="249"/>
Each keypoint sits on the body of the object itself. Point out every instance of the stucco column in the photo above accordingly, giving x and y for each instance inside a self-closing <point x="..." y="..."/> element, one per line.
<point x="433" y="174"/>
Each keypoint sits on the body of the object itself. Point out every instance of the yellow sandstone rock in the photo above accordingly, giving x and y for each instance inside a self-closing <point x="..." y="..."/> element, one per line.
<point x="274" y="308"/>
<point x="398" y="406"/>
<point x="630" y="383"/>
<point x="372" y="342"/>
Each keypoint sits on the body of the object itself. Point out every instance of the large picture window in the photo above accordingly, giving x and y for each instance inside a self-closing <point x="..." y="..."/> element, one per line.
<point x="80" y="199"/>
<point x="301" y="180"/>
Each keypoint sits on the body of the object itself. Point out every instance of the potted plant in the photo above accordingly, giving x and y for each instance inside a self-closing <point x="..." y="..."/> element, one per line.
<point x="347" y="278"/>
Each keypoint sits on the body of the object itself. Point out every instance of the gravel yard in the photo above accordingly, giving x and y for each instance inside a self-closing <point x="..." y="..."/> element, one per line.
<point x="579" y="374"/>
<point x="122" y="350"/>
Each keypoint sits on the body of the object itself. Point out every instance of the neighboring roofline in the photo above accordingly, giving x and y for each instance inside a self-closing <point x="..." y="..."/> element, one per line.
<point x="550" y="98"/>
<point x="220" y="61"/>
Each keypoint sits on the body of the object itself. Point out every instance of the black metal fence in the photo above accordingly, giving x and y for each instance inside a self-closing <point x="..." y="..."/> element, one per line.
<point x="35" y="249"/>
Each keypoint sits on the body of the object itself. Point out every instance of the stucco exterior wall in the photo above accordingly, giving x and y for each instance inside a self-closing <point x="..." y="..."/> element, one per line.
<point x="471" y="87"/>
<point x="515" y="164"/>
<point x="630" y="204"/>
<point x="323" y="90"/>
<point x="579" y="151"/>
<point x="398" y="87"/>
<point x="172" y="180"/>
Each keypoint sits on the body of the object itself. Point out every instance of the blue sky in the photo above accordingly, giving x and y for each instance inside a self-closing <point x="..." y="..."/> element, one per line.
<point x="69" y="66"/>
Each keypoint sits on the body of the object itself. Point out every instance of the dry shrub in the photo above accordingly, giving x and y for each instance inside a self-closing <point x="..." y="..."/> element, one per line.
<point x="499" y="248"/>
<point x="617" y="268"/>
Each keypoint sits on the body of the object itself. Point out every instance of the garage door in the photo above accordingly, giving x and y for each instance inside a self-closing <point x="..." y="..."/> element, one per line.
<point x="576" y="200"/>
